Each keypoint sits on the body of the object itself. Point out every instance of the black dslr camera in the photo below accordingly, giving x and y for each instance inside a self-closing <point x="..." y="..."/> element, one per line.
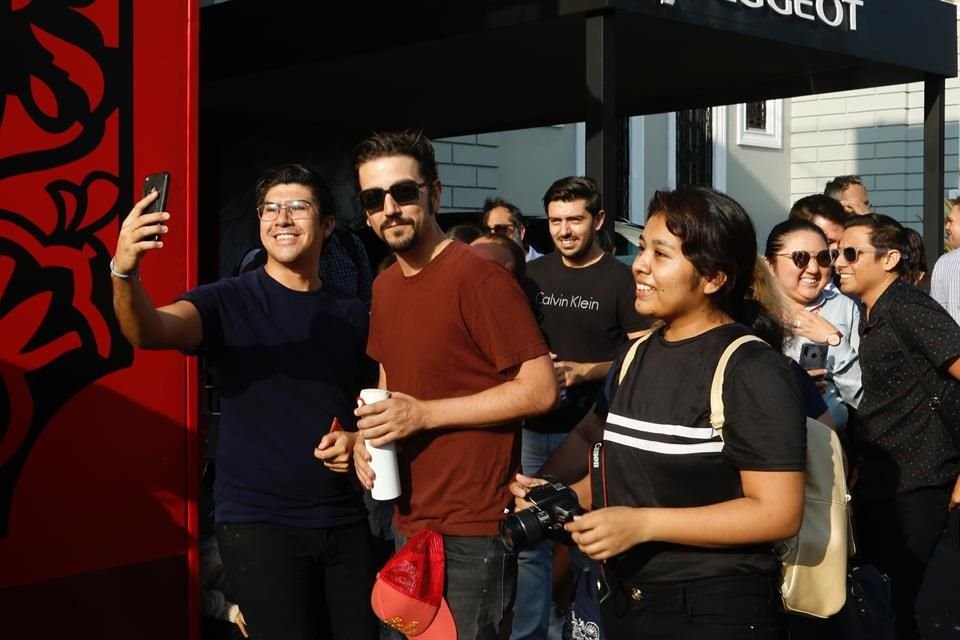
<point x="554" y="505"/>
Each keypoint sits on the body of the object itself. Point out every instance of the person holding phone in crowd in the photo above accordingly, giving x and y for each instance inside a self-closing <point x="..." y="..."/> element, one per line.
<point x="290" y="525"/>
<point x="906" y="447"/>
<point x="798" y="255"/>
<point x="689" y="519"/>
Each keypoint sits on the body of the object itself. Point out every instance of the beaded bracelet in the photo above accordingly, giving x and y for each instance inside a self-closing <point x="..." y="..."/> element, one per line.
<point x="123" y="276"/>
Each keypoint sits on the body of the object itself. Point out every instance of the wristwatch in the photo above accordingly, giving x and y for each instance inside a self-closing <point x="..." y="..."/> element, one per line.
<point x="834" y="339"/>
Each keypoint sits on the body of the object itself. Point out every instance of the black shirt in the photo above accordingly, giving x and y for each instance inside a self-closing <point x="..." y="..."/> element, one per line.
<point x="585" y="314"/>
<point x="661" y="450"/>
<point x="900" y="442"/>
<point x="289" y="362"/>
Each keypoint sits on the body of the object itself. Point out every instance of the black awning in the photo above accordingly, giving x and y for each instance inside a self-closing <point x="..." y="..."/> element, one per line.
<point x="460" y="67"/>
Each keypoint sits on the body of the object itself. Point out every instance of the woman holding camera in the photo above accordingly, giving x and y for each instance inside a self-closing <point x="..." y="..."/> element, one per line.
<point x="689" y="519"/>
<point x="818" y="313"/>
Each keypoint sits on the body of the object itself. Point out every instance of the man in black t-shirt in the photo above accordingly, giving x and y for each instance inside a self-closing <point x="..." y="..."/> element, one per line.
<point x="906" y="447"/>
<point x="585" y="304"/>
<point x="291" y="528"/>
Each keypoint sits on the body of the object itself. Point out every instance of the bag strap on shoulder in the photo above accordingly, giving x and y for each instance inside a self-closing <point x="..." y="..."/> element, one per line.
<point x="716" y="389"/>
<point x="632" y="352"/>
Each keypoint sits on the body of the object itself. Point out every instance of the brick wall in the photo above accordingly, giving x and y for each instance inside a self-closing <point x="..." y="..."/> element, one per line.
<point x="468" y="167"/>
<point x="876" y="134"/>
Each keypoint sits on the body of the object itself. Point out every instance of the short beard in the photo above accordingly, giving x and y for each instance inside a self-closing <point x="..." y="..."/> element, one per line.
<point x="409" y="242"/>
<point x="584" y="249"/>
<point x="400" y="244"/>
<point x="404" y="244"/>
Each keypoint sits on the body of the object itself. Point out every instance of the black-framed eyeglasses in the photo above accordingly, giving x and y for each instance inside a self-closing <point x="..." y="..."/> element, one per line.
<point x="403" y="192"/>
<point x="297" y="210"/>
<point x="802" y="258"/>
<point x="501" y="229"/>
<point x="852" y="254"/>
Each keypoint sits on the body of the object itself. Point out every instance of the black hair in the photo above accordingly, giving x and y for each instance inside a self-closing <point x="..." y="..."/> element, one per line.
<point x="410" y="142"/>
<point x="297" y="174"/>
<point x="513" y="210"/>
<point x="818" y="204"/>
<point x="917" y="256"/>
<point x="780" y="232"/>
<point x="465" y="233"/>
<point x="574" y="188"/>
<point x="717" y="236"/>
<point x="886" y="234"/>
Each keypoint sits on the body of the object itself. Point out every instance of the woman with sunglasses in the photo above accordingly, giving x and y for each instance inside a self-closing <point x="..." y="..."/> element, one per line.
<point x="817" y="312"/>
<point x="689" y="519"/>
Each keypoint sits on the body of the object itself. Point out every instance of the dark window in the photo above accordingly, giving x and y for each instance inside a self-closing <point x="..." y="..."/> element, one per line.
<point x="757" y="115"/>
<point x="695" y="147"/>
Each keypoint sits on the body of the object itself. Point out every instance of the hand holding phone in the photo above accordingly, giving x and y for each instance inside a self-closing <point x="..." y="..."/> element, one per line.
<point x="813" y="356"/>
<point x="159" y="182"/>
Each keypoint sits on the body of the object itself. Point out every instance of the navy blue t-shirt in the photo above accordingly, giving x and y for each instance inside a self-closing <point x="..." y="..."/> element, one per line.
<point x="289" y="362"/>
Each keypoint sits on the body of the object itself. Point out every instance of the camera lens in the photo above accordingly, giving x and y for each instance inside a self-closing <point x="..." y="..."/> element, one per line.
<point x="524" y="529"/>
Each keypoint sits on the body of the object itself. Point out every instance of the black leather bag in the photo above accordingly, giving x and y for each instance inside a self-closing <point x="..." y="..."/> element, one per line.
<point x="868" y="612"/>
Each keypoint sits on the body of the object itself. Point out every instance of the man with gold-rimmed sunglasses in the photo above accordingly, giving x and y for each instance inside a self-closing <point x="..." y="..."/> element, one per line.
<point x="907" y="444"/>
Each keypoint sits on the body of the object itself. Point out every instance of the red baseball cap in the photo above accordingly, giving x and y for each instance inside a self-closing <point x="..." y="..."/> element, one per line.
<point x="408" y="592"/>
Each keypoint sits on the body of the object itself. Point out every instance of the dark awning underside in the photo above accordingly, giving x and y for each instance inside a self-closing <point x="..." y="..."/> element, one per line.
<point x="463" y="67"/>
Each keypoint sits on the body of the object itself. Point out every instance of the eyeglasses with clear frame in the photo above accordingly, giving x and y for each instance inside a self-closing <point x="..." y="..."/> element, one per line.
<point x="852" y="254"/>
<point x="296" y="209"/>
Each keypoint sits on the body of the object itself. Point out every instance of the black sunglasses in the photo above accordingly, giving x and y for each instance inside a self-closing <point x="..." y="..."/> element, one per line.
<point x="501" y="229"/>
<point x="852" y="254"/>
<point x="403" y="192"/>
<point x="802" y="258"/>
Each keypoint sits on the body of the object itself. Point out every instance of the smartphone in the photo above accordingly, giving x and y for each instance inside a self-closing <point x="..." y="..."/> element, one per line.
<point x="813" y="356"/>
<point x="159" y="182"/>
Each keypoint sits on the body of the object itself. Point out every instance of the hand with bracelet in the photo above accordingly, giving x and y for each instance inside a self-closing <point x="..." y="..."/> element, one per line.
<point x="138" y="234"/>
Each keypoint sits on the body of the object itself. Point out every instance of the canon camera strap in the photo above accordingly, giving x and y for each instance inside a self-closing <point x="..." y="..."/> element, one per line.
<point x="598" y="477"/>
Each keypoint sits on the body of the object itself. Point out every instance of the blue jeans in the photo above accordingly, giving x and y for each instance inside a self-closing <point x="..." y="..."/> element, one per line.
<point x="531" y="614"/>
<point x="479" y="586"/>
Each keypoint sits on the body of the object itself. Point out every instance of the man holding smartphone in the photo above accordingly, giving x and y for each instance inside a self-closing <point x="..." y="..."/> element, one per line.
<point x="291" y="527"/>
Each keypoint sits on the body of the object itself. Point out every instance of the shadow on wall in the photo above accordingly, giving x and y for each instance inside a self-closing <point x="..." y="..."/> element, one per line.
<point x="96" y="546"/>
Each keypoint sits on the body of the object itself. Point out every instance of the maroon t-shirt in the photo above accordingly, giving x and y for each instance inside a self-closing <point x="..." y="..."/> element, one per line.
<point x="456" y="328"/>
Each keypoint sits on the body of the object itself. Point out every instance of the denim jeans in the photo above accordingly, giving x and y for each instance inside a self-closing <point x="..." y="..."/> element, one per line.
<point x="531" y="614"/>
<point x="479" y="586"/>
<point x="296" y="583"/>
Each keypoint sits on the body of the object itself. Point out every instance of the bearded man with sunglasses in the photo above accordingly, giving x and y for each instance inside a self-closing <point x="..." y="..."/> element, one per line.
<point x="464" y="360"/>
<point x="907" y="441"/>
<point x="291" y="528"/>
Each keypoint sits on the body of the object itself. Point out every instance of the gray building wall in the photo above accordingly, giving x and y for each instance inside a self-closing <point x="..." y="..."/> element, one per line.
<point x="759" y="178"/>
<point x="654" y="157"/>
<point x="516" y="165"/>
<point x="876" y="134"/>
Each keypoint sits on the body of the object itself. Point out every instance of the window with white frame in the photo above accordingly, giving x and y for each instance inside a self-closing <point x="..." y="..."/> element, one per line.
<point x="760" y="124"/>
